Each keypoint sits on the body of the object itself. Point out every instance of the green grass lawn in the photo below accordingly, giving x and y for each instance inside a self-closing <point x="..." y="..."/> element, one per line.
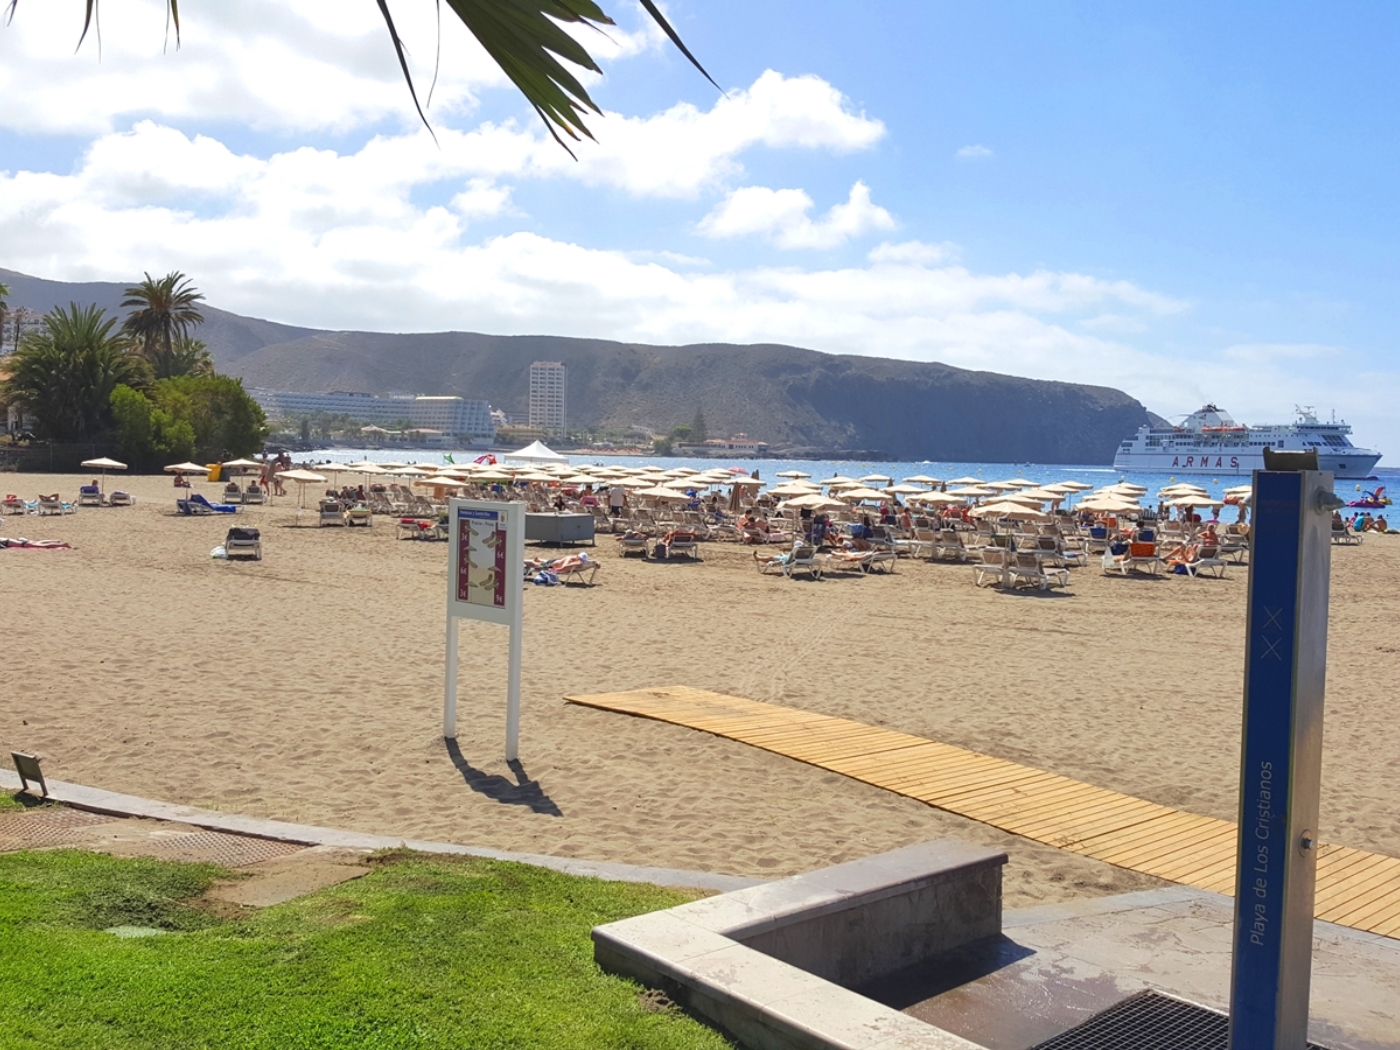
<point x="422" y="952"/>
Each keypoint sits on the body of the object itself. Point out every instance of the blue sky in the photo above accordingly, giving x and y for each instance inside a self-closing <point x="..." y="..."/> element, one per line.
<point x="1190" y="202"/>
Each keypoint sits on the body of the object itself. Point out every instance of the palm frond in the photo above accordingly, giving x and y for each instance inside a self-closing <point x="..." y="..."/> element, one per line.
<point x="526" y="38"/>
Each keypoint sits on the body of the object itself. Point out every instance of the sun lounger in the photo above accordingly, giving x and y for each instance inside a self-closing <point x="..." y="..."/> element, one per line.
<point x="359" y="514"/>
<point x="1139" y="558"/>
<point x="332" y="512"/>
<point x="1343" y="535"/>
<point x="632" y="541"/>
<point x="1026" y="567"/>
<point x="199" y="504"/>
<point x="802" y="558"/>
<point x="254" y="494"/>
<point x="990" y="567"/>
<point x="118" y="498"/>
<point x="676" y="543"/>
<point x="571" y="568"/>
<point x="416" y="529"/>
<point x="243" y="543"/>
<point x="89" y="496"/>
<point x="1206" y="559"/>
<point x="14" y="505"/>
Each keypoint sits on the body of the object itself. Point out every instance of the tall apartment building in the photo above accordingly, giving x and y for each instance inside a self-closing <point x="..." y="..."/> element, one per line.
<point x="547" y="401"/>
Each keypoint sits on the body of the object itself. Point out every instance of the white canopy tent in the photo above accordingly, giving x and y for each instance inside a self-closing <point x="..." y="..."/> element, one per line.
<point x="534" y="452"/>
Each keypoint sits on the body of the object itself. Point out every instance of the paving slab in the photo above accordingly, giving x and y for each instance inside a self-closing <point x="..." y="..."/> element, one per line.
<point x="1055" y="967"/>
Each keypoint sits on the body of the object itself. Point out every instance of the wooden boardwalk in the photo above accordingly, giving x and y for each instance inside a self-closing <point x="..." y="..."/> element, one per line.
<point x="1354" y="888"/>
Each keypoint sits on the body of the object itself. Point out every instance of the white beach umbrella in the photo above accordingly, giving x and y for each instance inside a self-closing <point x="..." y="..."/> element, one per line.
<point x="972" y="490"/>
<point x="859" y="495"/>
<point x="924" y="479"/>
<point x="1008" y="509"/>
<point x="936" y="497"/>
<point x="1005" y="486"/>
<point x="661" y="493"/>
<point x="875" y="479"/>
<point x="302" y="478"/>
<point x="1110" y="505"/>
<point x="104" y="464"/>
<point x="743" y="481"/>
<point x="1074" y="486"/>
<point x="904" y="490"/>
<point x="814" y="500"/>
<point x="792" y="474"/>
<point x="969" y="480"/>
<point x="1042" y="494"/>
<point x="838" y="479"/>
<point x="187" y="468"/>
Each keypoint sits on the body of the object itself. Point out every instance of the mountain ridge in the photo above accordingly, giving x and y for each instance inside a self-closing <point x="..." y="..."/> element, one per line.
<point x="786" y="395"/>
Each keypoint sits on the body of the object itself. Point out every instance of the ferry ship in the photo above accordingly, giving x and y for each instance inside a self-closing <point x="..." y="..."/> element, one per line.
<point x="1209" y="442"/>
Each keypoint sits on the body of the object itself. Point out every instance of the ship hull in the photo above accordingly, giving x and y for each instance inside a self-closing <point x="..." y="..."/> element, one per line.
<point x="1354" y="463"/>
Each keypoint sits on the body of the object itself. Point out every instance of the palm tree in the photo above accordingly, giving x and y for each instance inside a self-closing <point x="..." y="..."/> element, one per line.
<point x="163" y="312"/>
<point x="65" y="374"/>
<point x="4" y="309"/>
<point x="522" y="37"/>
<point x="188" y="357"/>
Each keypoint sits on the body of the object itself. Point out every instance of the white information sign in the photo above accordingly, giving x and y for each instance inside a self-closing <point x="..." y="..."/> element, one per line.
<point x="486" y="581"/>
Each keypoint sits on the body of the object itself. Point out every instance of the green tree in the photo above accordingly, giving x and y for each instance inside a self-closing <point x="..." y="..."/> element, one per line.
<point x="697" y="427"/>
<point x="64" y="375"/>
<point x="162" y="313"/>
<point x="4" y="311"/>
<point x="147" y="432"/>
<point x="681" y="433"/>
<point x="187" y="357"/>
<point x="661" y="446"/>
<point x="524" y="38"/>
<point x="225" y="419"/>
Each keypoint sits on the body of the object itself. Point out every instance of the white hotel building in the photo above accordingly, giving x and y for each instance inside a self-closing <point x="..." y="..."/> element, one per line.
<point x="466" y="420"/>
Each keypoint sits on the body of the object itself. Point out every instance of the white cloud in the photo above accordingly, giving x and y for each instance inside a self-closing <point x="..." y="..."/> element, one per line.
<point x="287" y="65"/>
<point x="915" y="252"/>
<point x="320" y="238"/>
<point x="781" y="216"/>
<point x="973" y="153"/>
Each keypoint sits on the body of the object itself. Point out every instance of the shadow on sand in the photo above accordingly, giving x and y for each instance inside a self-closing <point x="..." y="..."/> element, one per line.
<point x="522" y="791"/>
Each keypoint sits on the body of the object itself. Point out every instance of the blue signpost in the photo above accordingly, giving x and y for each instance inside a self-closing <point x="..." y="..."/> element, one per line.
<point x="1281" y="758"/>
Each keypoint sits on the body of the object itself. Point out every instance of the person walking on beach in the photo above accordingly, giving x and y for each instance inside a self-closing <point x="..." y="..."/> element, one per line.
<point x="617" y="499"/>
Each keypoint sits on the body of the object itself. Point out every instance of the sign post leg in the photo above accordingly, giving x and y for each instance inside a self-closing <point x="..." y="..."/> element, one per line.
<point x="1281" y="759"/>
<point x="513" y="691"/>
<point x="449" y="700"/>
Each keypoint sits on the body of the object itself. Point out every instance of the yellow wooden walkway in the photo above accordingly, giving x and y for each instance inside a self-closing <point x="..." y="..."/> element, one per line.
<point x="1354" y="888"/>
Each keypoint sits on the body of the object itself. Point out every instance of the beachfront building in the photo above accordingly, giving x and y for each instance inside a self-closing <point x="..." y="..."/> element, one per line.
<point x="466" y="421"/>
<point x="739" y="445"/>
<point x="548" y="410"/>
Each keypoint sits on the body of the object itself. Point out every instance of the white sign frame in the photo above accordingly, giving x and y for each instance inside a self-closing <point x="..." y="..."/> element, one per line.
<point x="490" y="588"/>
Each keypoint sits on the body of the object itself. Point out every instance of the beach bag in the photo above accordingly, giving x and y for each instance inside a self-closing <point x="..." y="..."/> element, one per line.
<point x="545" y="579"/>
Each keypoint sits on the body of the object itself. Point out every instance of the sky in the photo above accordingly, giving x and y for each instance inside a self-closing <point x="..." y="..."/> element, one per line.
<point x="1190" y="202"/>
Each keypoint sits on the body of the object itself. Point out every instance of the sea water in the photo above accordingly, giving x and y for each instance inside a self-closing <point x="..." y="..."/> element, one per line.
<point x="819" y="469"/>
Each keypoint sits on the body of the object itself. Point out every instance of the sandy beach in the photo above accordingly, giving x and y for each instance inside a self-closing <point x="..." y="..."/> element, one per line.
<point x="308" y="687"/>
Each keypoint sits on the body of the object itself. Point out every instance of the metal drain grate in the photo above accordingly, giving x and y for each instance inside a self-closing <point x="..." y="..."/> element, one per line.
<point x="217" y="847"/>
<point x="48" y="826"/>
<point x="1149" y="1021"/>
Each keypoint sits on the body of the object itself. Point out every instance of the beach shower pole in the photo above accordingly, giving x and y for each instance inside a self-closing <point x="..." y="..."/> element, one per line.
<point x="1281" y="753"/>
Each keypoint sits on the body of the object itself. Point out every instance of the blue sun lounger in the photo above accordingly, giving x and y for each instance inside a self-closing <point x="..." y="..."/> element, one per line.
<point x="199" y="504"/>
